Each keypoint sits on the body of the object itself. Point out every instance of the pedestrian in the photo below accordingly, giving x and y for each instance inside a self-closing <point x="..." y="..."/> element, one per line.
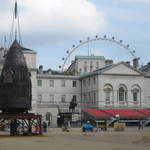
<point x="44" y="127"/>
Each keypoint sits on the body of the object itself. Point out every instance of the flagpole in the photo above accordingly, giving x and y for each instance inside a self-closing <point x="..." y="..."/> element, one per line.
<point x="15" y="31"/>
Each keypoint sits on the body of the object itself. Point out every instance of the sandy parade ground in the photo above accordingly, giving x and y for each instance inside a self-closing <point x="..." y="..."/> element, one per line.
<point x="55" y="139"/>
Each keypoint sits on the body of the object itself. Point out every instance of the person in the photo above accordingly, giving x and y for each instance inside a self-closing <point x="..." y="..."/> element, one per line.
<point x="140" y="126"/>
<point x="49" y="123"/>
<point x="65" y="127"/>
<point x="44" y="127"/>
<point x="87" y="127"/>
<point x="14" y="127"/>
<point x="37" y="129"/>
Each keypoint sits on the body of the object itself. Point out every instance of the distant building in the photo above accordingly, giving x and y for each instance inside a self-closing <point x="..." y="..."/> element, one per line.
<point x="85" y="64"/>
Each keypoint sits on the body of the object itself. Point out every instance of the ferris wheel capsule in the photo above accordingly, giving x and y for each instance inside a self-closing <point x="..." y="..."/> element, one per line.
<point x="88" y="38"/>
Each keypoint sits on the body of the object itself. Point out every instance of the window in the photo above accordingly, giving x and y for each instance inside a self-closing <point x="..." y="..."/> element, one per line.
<point x="74" y="83"/>
<point x="97" y="65"/>
<point x="89" y="81"/>
<point x="122" y="94"/>
<point x="51" y="83"/>
<point x="74" y="97"/>
<point x="85" y="66"/>
<point x="63" y="98"/>
<point x="136" y="91"/>
<point x="94" y="80"/>
<point x="39" y="82"/>
<point x="84" y="83"/>
<point x="91" y="66"/>
<point x="51" y="98"/>
<point x="94" y="97"/>
<point x="85" y="63"/>
<point x="40" y="98"/>
<point x="89" y="97"/>
<point x="107" y="96"/>
<point x="63" y="83"/>
<point x="108" y="91"/>
<point x="135" y="98"/>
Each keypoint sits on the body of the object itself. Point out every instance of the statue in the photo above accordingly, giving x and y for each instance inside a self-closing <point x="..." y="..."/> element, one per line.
<point x="72" y="106"/>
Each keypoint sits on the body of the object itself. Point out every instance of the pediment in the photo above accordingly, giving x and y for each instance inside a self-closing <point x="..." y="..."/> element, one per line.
<point x="121" y="69"/>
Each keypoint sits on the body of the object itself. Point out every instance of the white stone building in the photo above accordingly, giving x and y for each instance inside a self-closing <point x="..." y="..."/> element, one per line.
<point x="85" y="64"/>
<point x="118" y="85"/>
<point x="96" y="83"/>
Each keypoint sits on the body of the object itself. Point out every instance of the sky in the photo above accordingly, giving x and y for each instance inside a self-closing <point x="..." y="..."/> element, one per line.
<point x="51" y="27"/>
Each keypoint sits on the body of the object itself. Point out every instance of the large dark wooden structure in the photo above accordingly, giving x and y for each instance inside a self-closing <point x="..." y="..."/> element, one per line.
<point x="15" y="82"/>
<point x="16" y="95"/>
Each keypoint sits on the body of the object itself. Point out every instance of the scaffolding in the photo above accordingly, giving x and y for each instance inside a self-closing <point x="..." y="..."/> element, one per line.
<point x="21" y="124"/>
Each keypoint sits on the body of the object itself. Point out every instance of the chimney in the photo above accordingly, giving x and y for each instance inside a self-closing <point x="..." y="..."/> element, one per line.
<point x="128" y="63"/>
<point x="136" y="62"/>
<point x="108" y="62"/>
<point x="40" y="69"/>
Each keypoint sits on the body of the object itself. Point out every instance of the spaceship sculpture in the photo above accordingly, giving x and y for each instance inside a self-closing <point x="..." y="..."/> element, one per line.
<point x="15" y="82"/>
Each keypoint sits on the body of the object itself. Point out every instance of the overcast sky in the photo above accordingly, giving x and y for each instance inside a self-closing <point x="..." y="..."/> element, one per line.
<point x="51" y="27"/>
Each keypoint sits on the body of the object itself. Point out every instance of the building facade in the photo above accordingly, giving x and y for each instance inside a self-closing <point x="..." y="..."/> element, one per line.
<point x="96" y="83"/>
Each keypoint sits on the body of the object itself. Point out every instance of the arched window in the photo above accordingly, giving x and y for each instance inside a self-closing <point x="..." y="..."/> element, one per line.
<point x="108" y="93"/>
<point x="122" y="94"/>
<point x="136" y="92"/>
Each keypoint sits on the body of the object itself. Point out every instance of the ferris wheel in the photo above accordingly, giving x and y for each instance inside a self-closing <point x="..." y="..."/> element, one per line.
<point x="96" y="38"/>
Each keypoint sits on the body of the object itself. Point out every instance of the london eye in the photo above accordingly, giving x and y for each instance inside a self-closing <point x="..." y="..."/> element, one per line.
<point x="112" y="40"/>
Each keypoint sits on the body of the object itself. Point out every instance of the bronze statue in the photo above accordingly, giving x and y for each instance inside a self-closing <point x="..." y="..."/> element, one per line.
<point x="72" y="106"/>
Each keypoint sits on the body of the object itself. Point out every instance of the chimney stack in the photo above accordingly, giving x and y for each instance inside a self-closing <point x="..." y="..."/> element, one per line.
<point x="136" y="62"/>
<point x="128" y="63"/>
<point x="108" y="62"/>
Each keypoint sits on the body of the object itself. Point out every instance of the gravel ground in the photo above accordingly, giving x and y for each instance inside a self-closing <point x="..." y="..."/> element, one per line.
<point x="55" y="139"/>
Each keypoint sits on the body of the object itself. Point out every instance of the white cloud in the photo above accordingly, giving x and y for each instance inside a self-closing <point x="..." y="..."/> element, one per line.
<point x="135" y="1"/>
<point x="64" y="17"/>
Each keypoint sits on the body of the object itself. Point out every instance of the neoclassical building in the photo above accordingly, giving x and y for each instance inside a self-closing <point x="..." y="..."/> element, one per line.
<point x="95" y="82"/>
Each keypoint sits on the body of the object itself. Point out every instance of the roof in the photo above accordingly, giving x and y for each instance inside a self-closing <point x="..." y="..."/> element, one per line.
<point x="123" y="113"/>
<point x="96" y="113"/>
<point x="102" y="70"/>
<point x="15" y="55"/>
<point x="117" y="64"/>
<point x="89" y="57"/>
<point x="26" y="49"/>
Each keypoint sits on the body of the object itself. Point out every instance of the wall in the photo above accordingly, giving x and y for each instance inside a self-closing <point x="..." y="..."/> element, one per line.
<point x="115" y="81"/>
<point x="45" y="90"/>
